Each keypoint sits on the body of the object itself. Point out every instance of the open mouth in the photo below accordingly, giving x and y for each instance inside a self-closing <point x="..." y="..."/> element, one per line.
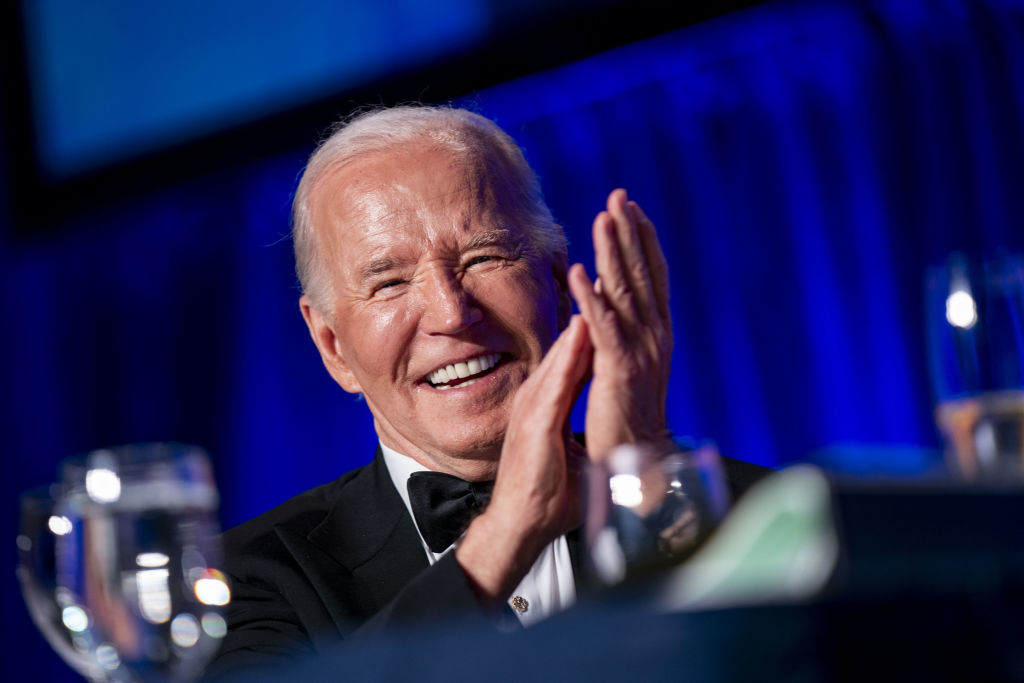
<point x="464" y="373"/>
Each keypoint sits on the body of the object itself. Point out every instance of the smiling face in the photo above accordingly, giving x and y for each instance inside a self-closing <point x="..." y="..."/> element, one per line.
<point x="442" y="304"/>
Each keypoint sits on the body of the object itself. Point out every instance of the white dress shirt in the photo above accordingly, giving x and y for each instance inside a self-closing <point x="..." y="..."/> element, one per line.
<point x="547" y="588"/>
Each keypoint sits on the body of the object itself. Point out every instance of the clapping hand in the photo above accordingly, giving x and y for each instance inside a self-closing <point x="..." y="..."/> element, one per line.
<point x="624" y="338"/>
<point x="630" y="327"/>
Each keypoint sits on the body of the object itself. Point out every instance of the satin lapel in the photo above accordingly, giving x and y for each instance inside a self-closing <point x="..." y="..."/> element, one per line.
<point x="364" y="551"/>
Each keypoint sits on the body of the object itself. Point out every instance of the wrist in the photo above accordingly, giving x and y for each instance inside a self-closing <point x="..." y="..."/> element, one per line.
<point x="495" y="556"/>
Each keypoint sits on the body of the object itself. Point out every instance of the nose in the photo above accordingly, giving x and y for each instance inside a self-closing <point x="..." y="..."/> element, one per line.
<point x="447" y="308"/>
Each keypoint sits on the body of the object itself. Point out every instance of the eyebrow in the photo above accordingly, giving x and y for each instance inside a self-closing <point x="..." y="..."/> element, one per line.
<point x="376" y="267"/>
<point x="488" y="238"/>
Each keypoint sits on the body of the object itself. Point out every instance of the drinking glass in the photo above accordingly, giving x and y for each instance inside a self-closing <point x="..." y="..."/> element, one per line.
<point x="135" y="567"/>
<point x="38" y="529"/>
<point x="976" y="355"/>
<point x="648" y="510"/>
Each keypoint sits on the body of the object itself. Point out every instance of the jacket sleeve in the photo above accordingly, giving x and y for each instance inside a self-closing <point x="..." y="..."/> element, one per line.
<point x="439" y="592"/>
<point x="279" y="614"/>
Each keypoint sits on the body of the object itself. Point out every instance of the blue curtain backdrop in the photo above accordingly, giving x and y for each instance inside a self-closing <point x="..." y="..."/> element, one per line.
<point x="804" y="162"/>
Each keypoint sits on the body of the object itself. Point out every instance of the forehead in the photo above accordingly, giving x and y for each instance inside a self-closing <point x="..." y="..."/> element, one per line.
<point x="422" y="196"/>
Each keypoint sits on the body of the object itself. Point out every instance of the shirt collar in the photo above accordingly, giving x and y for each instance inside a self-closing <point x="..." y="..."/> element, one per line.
<point x="401" y="467"/>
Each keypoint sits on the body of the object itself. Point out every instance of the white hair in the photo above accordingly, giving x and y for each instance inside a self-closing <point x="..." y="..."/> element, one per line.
<point x="390" y="129"/>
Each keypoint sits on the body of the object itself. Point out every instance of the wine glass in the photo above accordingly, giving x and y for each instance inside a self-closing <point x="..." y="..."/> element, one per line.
<point x="135" y="568"/>
<point x="38" y="530"/>
<point x="648" y="510"/>
<point x="976" y="354"/>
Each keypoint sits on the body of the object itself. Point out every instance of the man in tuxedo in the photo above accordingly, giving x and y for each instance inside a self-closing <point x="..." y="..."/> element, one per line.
<point x="437" y="285"/>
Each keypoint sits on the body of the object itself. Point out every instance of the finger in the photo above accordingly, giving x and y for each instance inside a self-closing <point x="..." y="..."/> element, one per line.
<point x="602" y="321"/>
<point x="549" y="394"/>
<point x="615" y="287"/>
<point x="623" y="280"/>
<point x="580" y="352"/>
<point x="655" y="257"/>
<point x="585" y="292"/>
<point x="584" y="363"/>
<point x="631" y="251"/>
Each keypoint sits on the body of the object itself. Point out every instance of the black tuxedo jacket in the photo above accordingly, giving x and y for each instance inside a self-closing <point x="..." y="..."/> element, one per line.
<point x="341" y="560"/>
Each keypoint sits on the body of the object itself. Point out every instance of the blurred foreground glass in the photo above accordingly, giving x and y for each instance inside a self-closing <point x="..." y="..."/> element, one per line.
<point x="134" y="563"/>
<point x="38" y="529"/>
<point x="975" y="316"/>
<point x="647" y="511"/>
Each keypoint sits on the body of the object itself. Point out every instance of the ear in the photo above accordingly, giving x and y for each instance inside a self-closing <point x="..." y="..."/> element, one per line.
<point x="322" y="330"/>
<point x="560" y="274"/>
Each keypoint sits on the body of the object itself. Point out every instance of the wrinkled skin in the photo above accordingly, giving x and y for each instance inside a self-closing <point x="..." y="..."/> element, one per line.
<point x="430" y="266"/>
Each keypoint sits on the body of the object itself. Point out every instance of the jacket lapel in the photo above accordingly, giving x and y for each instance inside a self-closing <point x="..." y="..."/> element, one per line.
<point x="364" y="551"/>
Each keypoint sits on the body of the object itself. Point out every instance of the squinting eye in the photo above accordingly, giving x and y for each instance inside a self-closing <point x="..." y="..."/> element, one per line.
<point x="478" y="259"/>
<point x="389" y="283"/>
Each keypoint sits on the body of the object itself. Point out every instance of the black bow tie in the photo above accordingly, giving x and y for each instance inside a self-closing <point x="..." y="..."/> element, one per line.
<point x="444" y="505"/>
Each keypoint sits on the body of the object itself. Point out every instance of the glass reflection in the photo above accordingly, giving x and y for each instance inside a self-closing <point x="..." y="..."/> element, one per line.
<point x="59" y="525"/>
<point x="975" y="316"/>
<point x="212" y="588"/>
<point x="75" y="618"/>
<point x="648" y="510"/>
<point x="961" y="311"/>
<point x="103" y="485"/>
<point x="125" y="544"/>
<point x="185" y="630"/>
<point x="214" y="625"/>
<point x="154" y="595"/>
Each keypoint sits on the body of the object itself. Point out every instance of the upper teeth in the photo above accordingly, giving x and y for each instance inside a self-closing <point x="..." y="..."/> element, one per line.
<point x="465" y="369"/>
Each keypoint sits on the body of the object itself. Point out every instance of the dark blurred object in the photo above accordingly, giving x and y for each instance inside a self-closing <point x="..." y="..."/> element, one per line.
<point x="928" y="540"/>
<point x="929" y="586"/>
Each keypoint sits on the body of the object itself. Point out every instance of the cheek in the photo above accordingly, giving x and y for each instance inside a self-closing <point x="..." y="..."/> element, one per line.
<point x="527" y="303"/>
<point x="381" y="319"/>
<point x="379" y="338"/>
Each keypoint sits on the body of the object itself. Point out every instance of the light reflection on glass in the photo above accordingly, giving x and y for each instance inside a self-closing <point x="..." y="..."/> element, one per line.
<point x="103" y="485"/>
<point x="64" y="597"/>
<point x="59" y="525"/>
<point x="107" y="657"/>
<point x="961" y="311"/>
<point x="608" y="559"/>
<point x="75" y="618"/>
<point x="214" y="625"/>
<point x="154" y="596"/>
<point x="626" y="490"/>
<point x="185" y="630"/>
<point x="213" y="589"/>
<point x="152" y="560"/>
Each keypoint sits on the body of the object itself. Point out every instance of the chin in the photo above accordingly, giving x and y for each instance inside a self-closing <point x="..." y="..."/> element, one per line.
<point x="477" y="436"/>
<point x="484" y="449"/>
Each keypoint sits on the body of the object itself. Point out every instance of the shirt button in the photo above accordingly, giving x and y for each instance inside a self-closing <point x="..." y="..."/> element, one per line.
<point x="520" y="604"/>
